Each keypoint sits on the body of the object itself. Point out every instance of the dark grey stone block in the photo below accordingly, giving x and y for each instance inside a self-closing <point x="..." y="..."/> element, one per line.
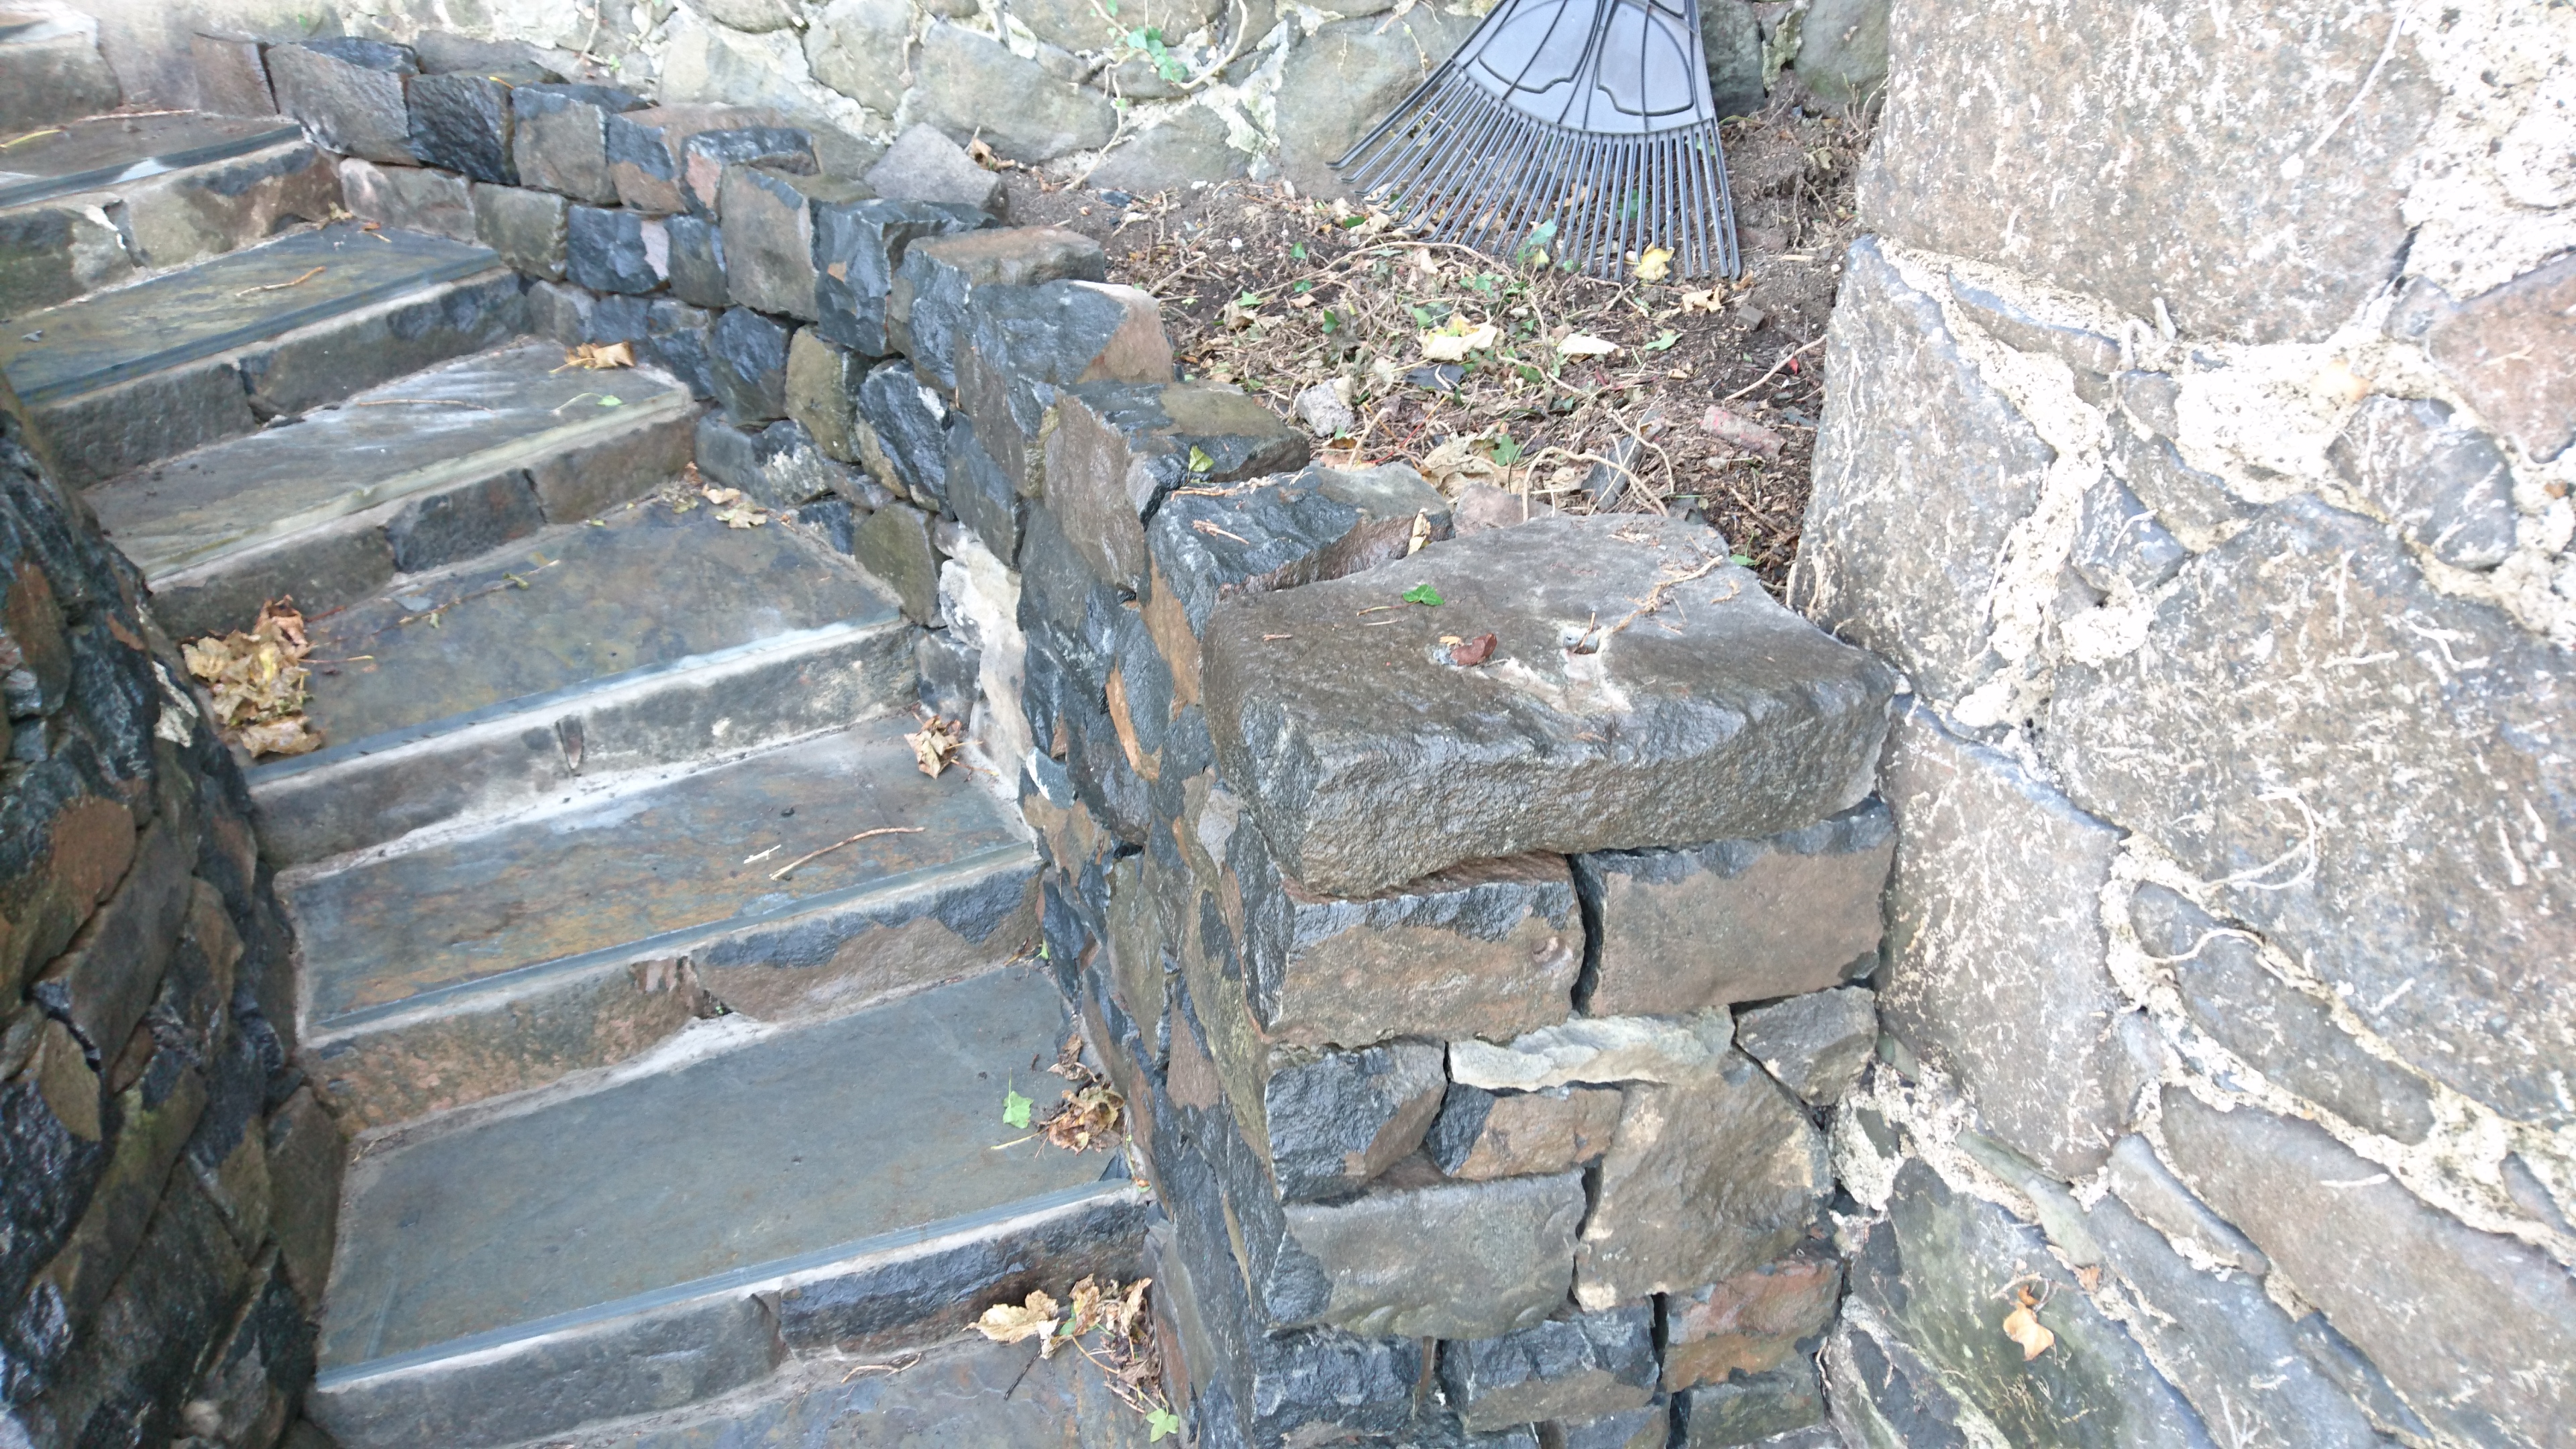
<point x="646" y="149"/>
<point x="926" y="305"/>
<point x="978" y="493"/>
<point x="611" y="249"/>
<point x="1322" y="524"/>
<point x="822" y="393"/>
<point x="949" y="666"/>
<point x="924" y="165"/>
<point x="2447" y="487"/>
<point x="458" y="523"/>
<point x="777" y="466"/>
<point x="527" y="228"/>
<point x="858" y="246"/>
<point x="1020" y="344"/>
<point x="1646" y="1428"/>
<point x="1576" y="1366"/>
<point x="1749" y="1410"/>
<point x="678" y="338"/>
<point x="769" y="235"/>
<point x="350" y="93"/>
<point x="1119" y="449"/>
<point x="894" y="544"/>
<point x="559" y="140"/>
<point x="2119" y="546"/>
<point x="1816" y="1044"/>
<point x="1732" y="42"/>
<point x="461" y="122"/>
<point x="748" y="360"/>
<point x="901" y="432"/>
<point x="697" y="262"/>
<point x="1304" y="724"/>
<point x="707" y="155"/>
<point x="1338" y="1119"/>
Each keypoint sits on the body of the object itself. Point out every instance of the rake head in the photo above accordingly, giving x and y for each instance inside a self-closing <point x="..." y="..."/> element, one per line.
<point x="1593" y="115"/>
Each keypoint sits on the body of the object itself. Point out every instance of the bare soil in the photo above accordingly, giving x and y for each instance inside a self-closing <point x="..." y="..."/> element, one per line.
<point x="1707" y="405"/>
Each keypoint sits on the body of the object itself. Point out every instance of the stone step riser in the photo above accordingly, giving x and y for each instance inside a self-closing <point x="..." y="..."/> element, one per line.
<point x="431" y="519"/>
<point x="96" y="435"/>
<point x="374" y="791"/>
<point x="545" y="1378"/>
<point x="72" y="242"/>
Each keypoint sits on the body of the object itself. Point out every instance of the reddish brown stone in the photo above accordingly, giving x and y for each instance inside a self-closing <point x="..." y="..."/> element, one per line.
<point x="1524" y="1132"/>
<point x="2506" y="350"/>
<point x="1751" y="1322"/>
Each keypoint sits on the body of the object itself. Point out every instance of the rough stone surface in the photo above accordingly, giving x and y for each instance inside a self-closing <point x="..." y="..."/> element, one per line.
<point x="2226" y="1345"/>
<point x="894" y="544"/>
<point x="2149" y="1189"/>
<point x="778" y="466"/>
<point x="698" y="262"/>
<point x="54" y="71"/>
<point x="1335" y="1120"/>
<point x="408" y="198"/>
<point x="924" y="165"/>
<point x="2263" y="232"/>
<point x="52" y="254"/>
<point x="2480" y="343"/>
<point x="1191" y="147"/>
<point x="858" y="246"/>
<point x="1024" y="345"/>
<point x="1842" y="50"/>
<point x="1596" y="1049"/>
<point x="769" y="235"/>
<point x="1118" y="450"/>
<point x="822" y="393"/>
<point x="1934" y="1272"/>
<point x="1344" y="78"/>
<point x="1578" y="1366"/>
<point x="2408" y="866"/>
<point x="1327" y="731"/>
<point x="1736" y="920"/>
<point x="646" y="149"/>
<point x="958" y="76"/>
<point x="462" y="122"/>
<point x="1481" y="1134"/>
<point x="1921" y="471"/>
<point x="749" y="363"/>
<point x="2283" y="1033"/>
<point x="1752" y="1410"/>
<point x="904" y="443"/>
<point x="1488" y="948"/>
<point x="559" y="139"/>
<point x="2453" y="1316"/>
<point x="1708" y="1175"/>
<point x="2119" y="545"/>
<point x="1731" y="41"/>
<point x="1752" y="1323"/>
<point x="926" y="305"/>
<point x="709" y="156"/>
<point x="611" y="249"/>
<point x="349" y="93"/>
<point x="862" y="49"/>
<point x="1646" y="1428"/>
<point x="1814" y="1044"/>
<point x="527" y="228"/>
<point x="1992" y="916"/>
<point x="1444" y="1260"/>
<point x="2446" y="487"/>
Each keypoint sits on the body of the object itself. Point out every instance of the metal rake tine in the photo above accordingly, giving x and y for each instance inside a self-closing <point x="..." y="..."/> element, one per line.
<point x="1545" y="190"/>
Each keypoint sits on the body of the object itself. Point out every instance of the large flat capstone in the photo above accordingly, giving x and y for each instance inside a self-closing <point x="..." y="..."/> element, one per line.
<point x="1640" y="691"/>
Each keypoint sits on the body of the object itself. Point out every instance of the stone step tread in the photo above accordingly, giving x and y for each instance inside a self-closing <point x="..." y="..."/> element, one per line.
<point x="242" y="297"/>
<point x="463" y="422"/>
<point x="799" y="1149"/>
<point x="644" y="870"/>
<point x="646" y="588"/>
<point x="105" y="151"/>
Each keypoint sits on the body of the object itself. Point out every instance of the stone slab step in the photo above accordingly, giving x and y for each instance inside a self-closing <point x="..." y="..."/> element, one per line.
<point x="50" y="68"/>
<point x="119" y="379"/>
<point x="649" y="639"/>
<point x="105" y="151"/>
<point x="417" y="474"/>
<point x="472" y="965"/>
<point x="679" y="1233"/>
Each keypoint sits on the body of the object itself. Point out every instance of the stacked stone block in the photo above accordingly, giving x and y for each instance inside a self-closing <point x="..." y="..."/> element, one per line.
<point x="2216" y="506"/>
<point x="170" y="1181"/>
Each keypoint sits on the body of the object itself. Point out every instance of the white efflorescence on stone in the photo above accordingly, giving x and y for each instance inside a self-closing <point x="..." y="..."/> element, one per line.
<point x="1601" y="1049"/>
<point x="2494" y="186"/>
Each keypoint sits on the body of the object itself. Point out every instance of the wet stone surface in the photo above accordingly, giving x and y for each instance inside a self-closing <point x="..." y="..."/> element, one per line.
<point x="1579" y="1366"/>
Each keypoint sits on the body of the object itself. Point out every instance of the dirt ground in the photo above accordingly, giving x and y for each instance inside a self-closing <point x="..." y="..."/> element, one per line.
<point x="1706" y="403"/>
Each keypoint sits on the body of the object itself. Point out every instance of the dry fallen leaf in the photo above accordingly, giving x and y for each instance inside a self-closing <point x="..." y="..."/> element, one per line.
<point x="1421" y="533"/>
<point x="1455" y="464"/>
<point x="1742" y="433"/>
<point x="1013" y="1323"/>
<point x="1707" y="301"/>
<point x="1654" y="264"/>
<point x="1474" y="652"/>
<point x="936" y="745"/>
<point x="594" y="356"/>
<point x="1584" y="344"/>
<point x="1453" y="346"/>
<point x="258" y="682"/>
<point x="2023" y="1327"/>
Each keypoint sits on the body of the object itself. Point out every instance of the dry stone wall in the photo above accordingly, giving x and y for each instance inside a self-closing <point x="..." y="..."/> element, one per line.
<point x="2198" y="447"/>
<point x="167" y="1181"/>
<point x="1141" y="96"/>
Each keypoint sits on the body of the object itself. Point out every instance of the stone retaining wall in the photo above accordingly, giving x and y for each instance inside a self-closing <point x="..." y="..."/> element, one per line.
<point x="2198" y="444"/>
<point x="170" y="1182"/>
<point x="1143" y="97"/>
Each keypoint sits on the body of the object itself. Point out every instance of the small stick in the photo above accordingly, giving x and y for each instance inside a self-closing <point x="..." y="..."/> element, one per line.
<point x="31" y="135"/>
<point x="1203" y="526"/>
<point x="781" y="872"/>
<point x="1775" y="370"/>
<point x="419" y="402"/>
<point x="282" y="286"/>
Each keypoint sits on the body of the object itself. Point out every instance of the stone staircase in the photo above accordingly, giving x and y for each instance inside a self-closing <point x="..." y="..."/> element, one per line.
<point x="645" y="1121"/>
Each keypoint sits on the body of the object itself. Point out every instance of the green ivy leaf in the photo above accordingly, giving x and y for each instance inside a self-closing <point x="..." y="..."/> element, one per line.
<point x="1161" y="1424"/>
<point x="1331" y="321"/>
<point x="1015" y="1109"/>
<point x="1506" y="450"/>
<point x="1662" y="340"/>
<point x="1740" y="560"/>
<point x="1200" y="462"/>
<point x="611" y="400"/>
<point x="1303" y="287"/>
<point x="1297" y="250"/>
<point x="1424" y="595"/>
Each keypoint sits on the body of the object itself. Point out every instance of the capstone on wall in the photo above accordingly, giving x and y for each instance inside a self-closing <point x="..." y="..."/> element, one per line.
<point x="1141" y="96"/>
<point x="2198" y="444"/>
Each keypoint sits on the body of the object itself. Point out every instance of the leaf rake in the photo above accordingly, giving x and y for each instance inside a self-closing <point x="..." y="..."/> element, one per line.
<point x="1582" y="123"/>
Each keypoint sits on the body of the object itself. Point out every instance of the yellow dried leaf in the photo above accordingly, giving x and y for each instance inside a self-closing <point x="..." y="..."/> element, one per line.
<point x="1708" y="301"/>
<point x="935" y="745"/>
<point x="593" y="356"/>
<point x="2023" y="1327"/>
<point x="1654" y="264"/>
<point x="1015" y="1322"/>
<point x="292" y="736"/>
<point x="257" y="681"/>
